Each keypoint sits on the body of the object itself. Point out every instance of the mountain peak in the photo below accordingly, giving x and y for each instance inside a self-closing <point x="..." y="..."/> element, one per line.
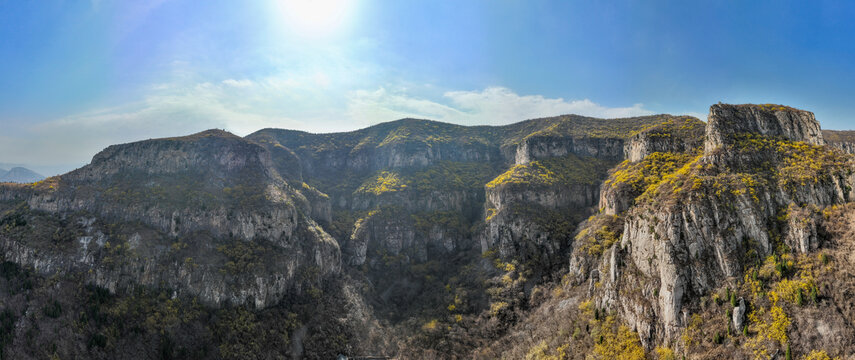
<point x="20" y="175"/>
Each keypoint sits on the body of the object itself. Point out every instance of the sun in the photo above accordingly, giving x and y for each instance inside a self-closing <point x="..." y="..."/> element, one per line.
<point x="315" y="18"/>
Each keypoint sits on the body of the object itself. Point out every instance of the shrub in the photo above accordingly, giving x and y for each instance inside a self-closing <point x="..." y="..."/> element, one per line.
<point x="819" y="355"/>
<point x="620" y="344"/>
<point x="53" y="310"/>
<point x="664" y="353"/>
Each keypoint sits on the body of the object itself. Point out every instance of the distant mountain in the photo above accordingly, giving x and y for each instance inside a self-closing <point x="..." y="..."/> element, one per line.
<point x="20" y="175"/>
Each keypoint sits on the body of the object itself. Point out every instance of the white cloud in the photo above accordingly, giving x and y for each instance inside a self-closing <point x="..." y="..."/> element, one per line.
<point x="493" y="105"/>
<point x="239" y="83"/>
<point x="246" y="105"/>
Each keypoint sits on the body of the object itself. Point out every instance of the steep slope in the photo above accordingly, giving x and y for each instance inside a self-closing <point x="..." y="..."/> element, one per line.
<point x="714" y="253"/>
<point x="20" y="175"/>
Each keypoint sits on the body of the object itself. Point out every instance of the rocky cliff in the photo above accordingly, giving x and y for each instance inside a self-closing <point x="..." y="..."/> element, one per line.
<point x="184" y="208"/>
<point x="710" y="218"/>
<point x="653" y="236"/>
<point x="423" y="166"/>
<point x="727" y="121"/>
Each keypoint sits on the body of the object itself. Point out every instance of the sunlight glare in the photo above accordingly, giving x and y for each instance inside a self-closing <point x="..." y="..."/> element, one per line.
<point x="315" y="18"/>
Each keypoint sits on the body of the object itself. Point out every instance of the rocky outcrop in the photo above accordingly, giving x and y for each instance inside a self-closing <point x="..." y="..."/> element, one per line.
<point x="691" y="235"/>
<point x="205" y="181"/>
<point x="520" y="236"/>
<point x="801" y="228"/>
<point x="530" y="208"/>
<point x="726" y="120"/>
<point x="690" y="248"/>
<point x="739" y="316"/>
<point x="617" y="199"/>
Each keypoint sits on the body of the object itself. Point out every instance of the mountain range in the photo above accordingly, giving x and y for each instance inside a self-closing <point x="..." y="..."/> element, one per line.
<point x="567" y="237"/>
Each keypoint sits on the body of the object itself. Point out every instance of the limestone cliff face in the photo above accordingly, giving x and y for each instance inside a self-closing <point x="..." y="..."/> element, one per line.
<point x="529" y="209"/>
<point x="458" y="200"/>
<point x="389" y="233"/>
<point x="544" y="147"/>
<point x="212" y="184"/>
<point x="678" y="135"/>
<point x="702" y="225"/>
<point x="172" y="185"/>
<point x="726" y="120"/>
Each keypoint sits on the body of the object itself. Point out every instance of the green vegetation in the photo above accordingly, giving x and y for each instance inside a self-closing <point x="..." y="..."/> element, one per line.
<point x="819" y="355"/>
<point x="684" y="129"/>
<point x="566" y="170"/>
<point x="649" y="172"/>
<point x="581" y="127"/>
<point x="798" y="163"/>
<point x="413" y="133"/>
<point x="443" y="176"/>
<point x="243" y="257"/>
<point x="7" y="330"/>
<point x="186" y="189"/>
<point x="385" y="182"/>
<point x="775" y="286"/>
<point x="449" y="175"/>
<point x="773" y="107"/>
<point x="447" y="220"/>
<point x="599" y="233"/>
<point x="242" y="336"/>
<point x="838" y="136"/>
<point x="615" y="341"/>
<point x="52" y="309"/>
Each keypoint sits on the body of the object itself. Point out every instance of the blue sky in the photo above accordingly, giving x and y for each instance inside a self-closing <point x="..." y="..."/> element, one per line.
<point x="80" y="75"/>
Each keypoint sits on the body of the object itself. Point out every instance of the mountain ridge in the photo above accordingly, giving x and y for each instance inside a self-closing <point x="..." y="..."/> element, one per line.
<point x="422" y="239"/>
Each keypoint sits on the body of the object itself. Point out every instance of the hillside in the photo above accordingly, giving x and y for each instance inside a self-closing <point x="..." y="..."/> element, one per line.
<point x="553" y="238"/>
